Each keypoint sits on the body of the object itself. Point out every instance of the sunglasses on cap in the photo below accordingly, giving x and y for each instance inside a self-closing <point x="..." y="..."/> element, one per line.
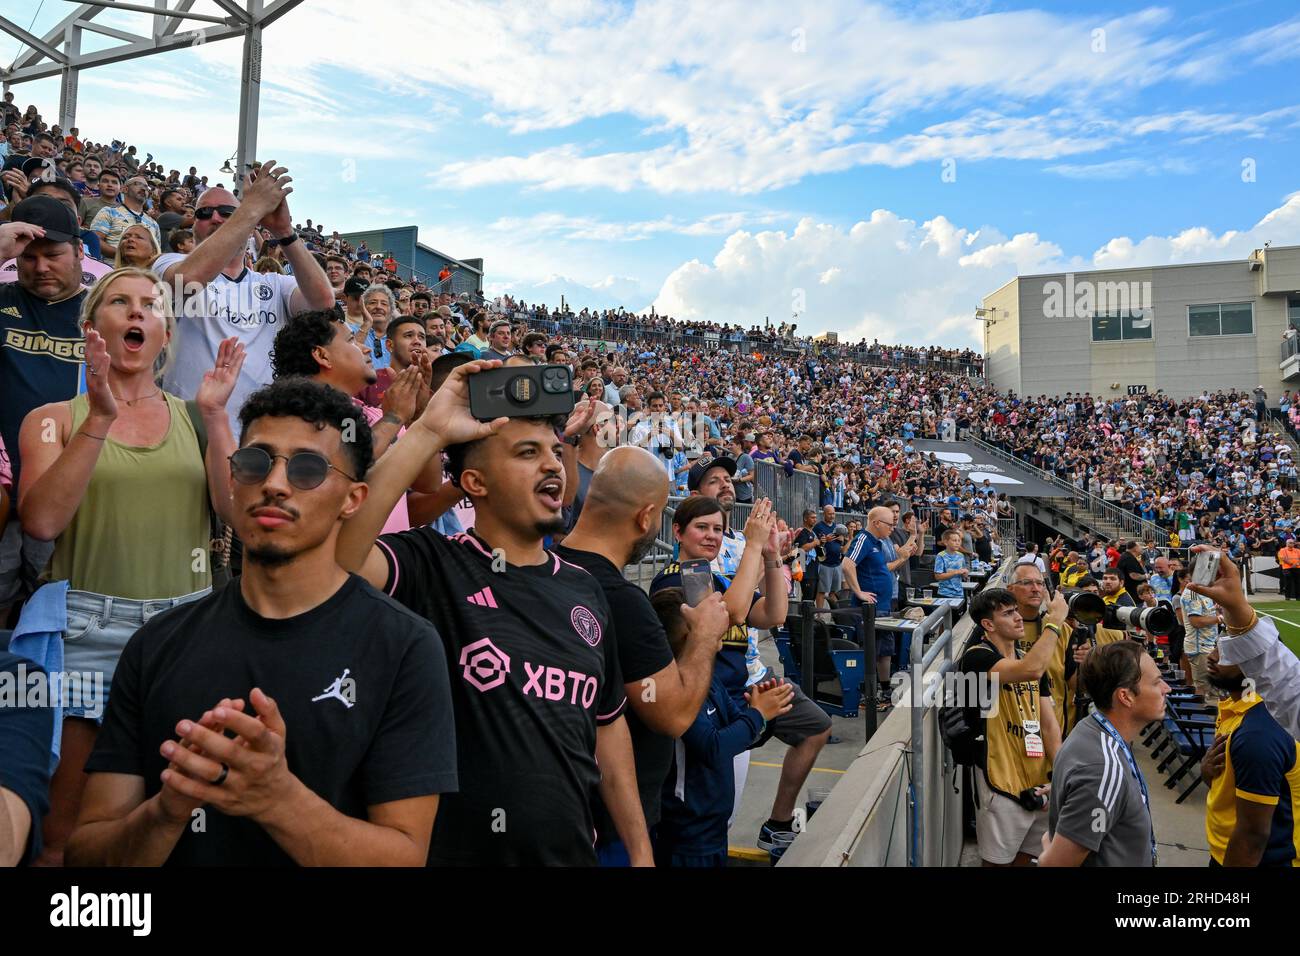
<point x="306" y="470"/>
<point x="207" y="211"/>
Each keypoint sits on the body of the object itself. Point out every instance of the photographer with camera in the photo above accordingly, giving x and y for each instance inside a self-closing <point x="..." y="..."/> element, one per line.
<point x="1021" y="733"/>
<point x="1099" y="803"/>
<point x="1030" y="590"/>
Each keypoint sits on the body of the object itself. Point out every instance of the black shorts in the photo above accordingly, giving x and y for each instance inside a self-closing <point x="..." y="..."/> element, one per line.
<point x="805" y="719"/>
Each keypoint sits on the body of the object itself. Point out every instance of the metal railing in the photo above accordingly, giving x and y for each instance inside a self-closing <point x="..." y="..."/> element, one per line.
<point x="924" y="704"/>
<point x="1290" y="347"/>
<point x="661" y="555"/>
<point x="1092" y="507"/>
<point x="937" y="630"/>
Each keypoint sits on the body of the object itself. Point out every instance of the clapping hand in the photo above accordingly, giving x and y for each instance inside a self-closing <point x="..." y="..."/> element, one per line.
<point x="103" y="405"/>
<point x="402" y="394"/>
<point x="219" y="381"/>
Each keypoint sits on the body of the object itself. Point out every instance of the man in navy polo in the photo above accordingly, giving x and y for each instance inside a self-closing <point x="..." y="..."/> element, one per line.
<point x="867" y="574"/>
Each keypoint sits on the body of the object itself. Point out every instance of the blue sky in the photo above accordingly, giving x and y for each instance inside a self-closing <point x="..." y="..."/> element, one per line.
<point x="875" y="167"/>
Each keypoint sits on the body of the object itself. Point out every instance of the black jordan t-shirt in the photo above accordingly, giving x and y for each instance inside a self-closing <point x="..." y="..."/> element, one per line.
<point x="642" y="651"/>
<point x="360" y="681"/>
<point x="534" y="669"/>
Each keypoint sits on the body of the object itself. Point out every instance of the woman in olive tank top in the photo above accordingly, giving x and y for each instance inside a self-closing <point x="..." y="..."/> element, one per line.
<point x="115" y="477"/>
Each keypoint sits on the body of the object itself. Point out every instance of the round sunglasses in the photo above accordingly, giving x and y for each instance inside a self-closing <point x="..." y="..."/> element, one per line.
<point x="306" y="470"/>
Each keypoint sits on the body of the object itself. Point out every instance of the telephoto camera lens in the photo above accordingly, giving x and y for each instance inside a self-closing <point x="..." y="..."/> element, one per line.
<point x="1157" y="620"/>
<point x="1086" y="607"/>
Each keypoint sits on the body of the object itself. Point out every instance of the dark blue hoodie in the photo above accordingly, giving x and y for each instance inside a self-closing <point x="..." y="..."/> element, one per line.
<point x="700" y="790"/>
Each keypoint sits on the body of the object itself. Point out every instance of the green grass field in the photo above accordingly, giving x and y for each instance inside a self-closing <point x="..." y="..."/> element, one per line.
<point x="1286" y="615"/>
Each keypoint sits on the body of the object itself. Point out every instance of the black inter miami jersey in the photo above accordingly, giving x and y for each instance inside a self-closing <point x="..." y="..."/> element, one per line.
<point x="534" y="669"/>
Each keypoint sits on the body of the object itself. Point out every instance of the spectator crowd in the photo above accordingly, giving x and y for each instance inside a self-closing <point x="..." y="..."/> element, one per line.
<point x="484" y="686"/>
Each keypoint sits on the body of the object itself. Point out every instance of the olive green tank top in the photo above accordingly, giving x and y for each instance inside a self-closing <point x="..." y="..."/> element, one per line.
<point x="142" y="528"/>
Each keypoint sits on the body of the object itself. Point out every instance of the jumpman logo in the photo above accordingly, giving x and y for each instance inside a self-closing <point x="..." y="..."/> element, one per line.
<point x="344" y="688"/>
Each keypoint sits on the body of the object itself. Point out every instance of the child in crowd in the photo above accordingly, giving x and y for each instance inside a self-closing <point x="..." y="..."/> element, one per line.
<point x="700" y="789"/>
<point x="950" y="567"/>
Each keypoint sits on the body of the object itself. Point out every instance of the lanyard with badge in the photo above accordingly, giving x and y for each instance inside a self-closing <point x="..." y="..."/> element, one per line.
<point x="1031" y="725"/>
<point x="1107" y="726"/>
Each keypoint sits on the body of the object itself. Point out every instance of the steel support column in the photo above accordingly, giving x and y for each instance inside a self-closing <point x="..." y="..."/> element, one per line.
<point x="68" y="80"/>
<point x="250" y="91"/>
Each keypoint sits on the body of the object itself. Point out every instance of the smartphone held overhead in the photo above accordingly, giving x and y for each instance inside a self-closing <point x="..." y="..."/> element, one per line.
<point x="521" y="392"/>
<point x="1206" y="567"/>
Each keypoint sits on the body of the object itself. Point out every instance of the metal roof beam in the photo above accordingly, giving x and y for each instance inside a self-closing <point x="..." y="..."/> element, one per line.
<point x="35" y="42"/>
<point x="55" y="35"/>
<point x="119" y="54"/>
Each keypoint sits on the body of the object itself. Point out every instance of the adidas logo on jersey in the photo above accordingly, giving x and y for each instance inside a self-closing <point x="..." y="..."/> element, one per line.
<point x="483" y="598"/>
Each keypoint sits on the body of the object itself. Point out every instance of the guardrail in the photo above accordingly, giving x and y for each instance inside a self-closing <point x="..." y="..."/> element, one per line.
<point x="939" y="625"/>
<point x="895" y="804"/>
<point x="1083" y="501"/>
<point x="1290" y="347"/>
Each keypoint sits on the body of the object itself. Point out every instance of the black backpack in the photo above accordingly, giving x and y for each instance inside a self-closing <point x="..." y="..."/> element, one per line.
<point x="963" y="736"/>
<point x="962" y="729"/>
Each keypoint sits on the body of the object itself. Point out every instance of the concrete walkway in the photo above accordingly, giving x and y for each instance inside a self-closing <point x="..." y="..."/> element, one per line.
<point x="765" y="772"/>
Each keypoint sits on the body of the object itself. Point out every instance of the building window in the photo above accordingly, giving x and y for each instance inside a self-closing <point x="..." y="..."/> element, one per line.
<point x="1293" y="311"/>
<point x="1227" y="318"/>
<point x="1121" y="326"/>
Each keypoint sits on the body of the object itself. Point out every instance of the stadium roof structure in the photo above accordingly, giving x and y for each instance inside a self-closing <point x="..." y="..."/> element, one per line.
<point x="59" y="53"/>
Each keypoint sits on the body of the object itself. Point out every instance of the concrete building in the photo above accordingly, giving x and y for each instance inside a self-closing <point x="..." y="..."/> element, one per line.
<point x="1176" y="328"/>
<point x="417" y="261"/>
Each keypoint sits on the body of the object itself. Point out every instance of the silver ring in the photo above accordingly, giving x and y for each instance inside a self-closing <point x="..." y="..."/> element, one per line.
<point x="225" y="772"/>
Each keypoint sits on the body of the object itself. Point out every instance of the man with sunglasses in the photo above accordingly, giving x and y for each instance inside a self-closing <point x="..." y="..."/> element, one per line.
<point x="537" y="687"/>
<point x="112" y="221"/>
<point x="296" y="715"/>
<point x="217" y="296"/>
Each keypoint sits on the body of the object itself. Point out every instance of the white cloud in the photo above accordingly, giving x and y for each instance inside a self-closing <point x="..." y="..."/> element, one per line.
<point x="900" y="281"/>
<point x="745" y="95"/>
<point x="556" y="225"/>
<point x="1121" y="168"/>
<point x="610" y="292"/>
<point x="1281" y="226"/>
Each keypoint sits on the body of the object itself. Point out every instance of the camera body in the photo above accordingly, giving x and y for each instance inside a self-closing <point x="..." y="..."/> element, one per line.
<point x="1031" y="800"/>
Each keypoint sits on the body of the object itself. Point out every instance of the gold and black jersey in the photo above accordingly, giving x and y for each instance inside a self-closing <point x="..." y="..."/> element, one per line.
<point x="1007" y="767"/>
<point x="737" y="636"/>
<point x="1062" y="695"/>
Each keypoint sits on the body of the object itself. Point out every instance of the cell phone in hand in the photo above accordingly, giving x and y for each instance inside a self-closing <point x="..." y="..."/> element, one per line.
<point x="531" y="391"/>
<point x="697" y="581"/>
<point x="1206" y="567"/>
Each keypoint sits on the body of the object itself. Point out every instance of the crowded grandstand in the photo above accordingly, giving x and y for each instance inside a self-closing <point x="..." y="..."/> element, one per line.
<point x="497" y="634"/>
